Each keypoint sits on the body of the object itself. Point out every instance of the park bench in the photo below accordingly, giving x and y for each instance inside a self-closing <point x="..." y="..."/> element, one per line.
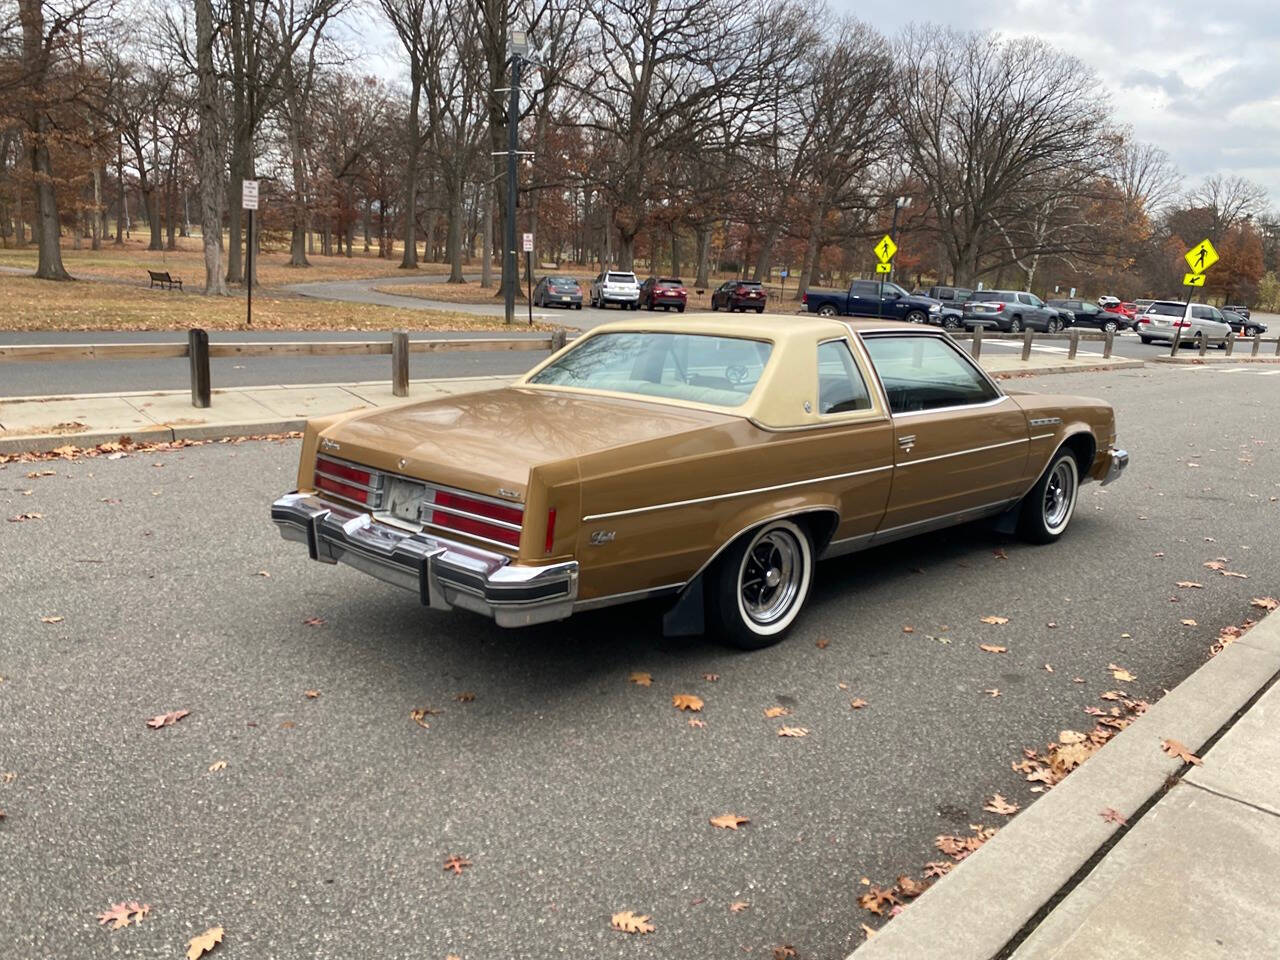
<point x="162" y="279"/>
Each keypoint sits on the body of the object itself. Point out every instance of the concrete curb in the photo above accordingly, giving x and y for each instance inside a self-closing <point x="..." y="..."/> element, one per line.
<point x="1194" y="359"/>
<point x="1089" y="368"/>
<point x="981" y="906"/>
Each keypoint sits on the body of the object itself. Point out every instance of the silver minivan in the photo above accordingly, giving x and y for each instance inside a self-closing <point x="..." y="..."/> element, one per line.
<point x="1164" y="318"/>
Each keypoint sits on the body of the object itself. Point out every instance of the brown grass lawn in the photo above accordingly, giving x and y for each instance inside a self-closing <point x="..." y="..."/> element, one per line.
<point x="30" y="304"/>
<point x="449" y="292"/>
<point x="131" y="262"/>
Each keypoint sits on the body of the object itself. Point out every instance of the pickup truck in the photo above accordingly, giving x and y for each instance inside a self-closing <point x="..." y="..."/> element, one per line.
<point x="865" y="299"/>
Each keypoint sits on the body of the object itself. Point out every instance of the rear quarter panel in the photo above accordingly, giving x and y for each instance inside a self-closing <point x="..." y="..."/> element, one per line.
<point x="1075" y="416"/>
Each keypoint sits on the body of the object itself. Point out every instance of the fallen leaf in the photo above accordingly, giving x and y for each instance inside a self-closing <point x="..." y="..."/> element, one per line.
<point x="1188" y="622"/>
<point x="630" y="922"/>
<point x="419" y="716"/>
<point x="711" y="677"/>
<point x="198" y="946"/>
<point x="1052" y="625"/>
<point x="311" y="694"/>
<point x="51" y="619"/>
<point x="217" y="765"/>
<point x="793" y="732"/>
<point x="641" y="679"/>
<point x="992" y="648"/>
<point x="1190" y="585"/>
<point x="465" y="697"/>
<point x="822" y="643"/>
<point x="994" y="620"/>
<point x="315" y="621"/>
<point x="992" y="692"/>
<point x="998" y="804"/>
<point x="1048" y="668"/>
<point x="857" y="703"/>
<point x="1264" y="603"/>
<point x="23" y="517"/>
<point x="1121" y="674"/>
<point x="687" y="701"/>
<point x="772" y="712"/>
<point x="1215" y="565"/>
<point x="877" y="898"/>
<point x="909" y="886"/>
<point x="1000" y="553"/>
<point x="122" y="914"/>
<point x="1113" y="816"/>
<point x="695" y="722"/>
<point x="1178" y="749"/>
<point x="1077" y="679"/>
<point x="456" y="864"/>
<point x="166" y="719"/>
<point x="1070" y="736"/>
<point x="937" y="868"/>
<point x="738" y="906"/>
<point x="287" y="725"/>
<point x="1232" y="573"/>
<point x="729" y="821"/>
<point x="908" y="629"/>
<point x="867" y="931"/>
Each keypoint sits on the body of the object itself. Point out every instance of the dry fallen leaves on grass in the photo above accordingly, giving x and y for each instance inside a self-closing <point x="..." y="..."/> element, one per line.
<point x="774" y="712"/>
<point x="122" y="914"/>
<point x="998" y="804"/>
<point x="166" y="719"/>
<point x="992" y="648"/>
<point x="198" y="946"/>
<point x="857" y="703"/>
<point x="687" y="701"/>
<point x="1112" y="815"/>
<point x="793" y="731"/>
<point x="998" y="621"/>
<point x="217" y="765"/>
<point x="641" y="679"/>
<point x="1121" y="674"/>
<point x="456" y="863"/>
<point x="1264" y="603"/>
<point x="729" y="821"/>
<point x="738" y="906"/>
<point x="1176" y="748"/>
<point x="628" y="921"/>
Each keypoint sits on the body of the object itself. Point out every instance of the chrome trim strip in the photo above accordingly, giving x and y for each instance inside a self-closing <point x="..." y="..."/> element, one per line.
<point x="511" y="547"/>
<point x="595" y="603"/>
<point x="728" y="496"/>
<point x="1044" y="436"/>
<point x="479" y="517"/>
<point x="1044" y="421"/>
<point x="961" y="453"/>
<point x="957" y="406"/>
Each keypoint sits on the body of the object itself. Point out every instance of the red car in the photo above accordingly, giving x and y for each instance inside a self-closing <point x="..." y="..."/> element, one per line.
<point x="739" y="295"/>
<point x="1129" y="310"/>
<point x="664" y="292"/>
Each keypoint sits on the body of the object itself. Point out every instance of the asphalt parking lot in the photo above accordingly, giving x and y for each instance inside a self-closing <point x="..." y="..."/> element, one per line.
<point x="573" y="792"/>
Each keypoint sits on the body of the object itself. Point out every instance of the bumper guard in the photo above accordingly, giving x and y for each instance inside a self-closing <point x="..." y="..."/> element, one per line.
<point x="1119" y="461"/>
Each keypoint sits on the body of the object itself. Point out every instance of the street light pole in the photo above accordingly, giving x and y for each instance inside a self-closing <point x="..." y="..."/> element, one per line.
<point x="901" y="203"/>
<point x="519" y="47"/>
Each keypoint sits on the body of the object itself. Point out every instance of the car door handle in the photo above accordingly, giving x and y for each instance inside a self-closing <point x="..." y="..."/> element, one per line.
<point x="907" y="442"/>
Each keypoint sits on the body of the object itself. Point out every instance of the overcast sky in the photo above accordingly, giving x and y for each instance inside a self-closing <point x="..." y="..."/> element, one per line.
<point x="1201" y="80"/>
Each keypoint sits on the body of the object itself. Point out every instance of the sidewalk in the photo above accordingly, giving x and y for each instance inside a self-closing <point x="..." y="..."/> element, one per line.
<point x="44" y="423"/>
<point x="1193" y="873"/>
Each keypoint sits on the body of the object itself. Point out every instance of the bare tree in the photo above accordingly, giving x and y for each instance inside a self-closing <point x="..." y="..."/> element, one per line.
<point x="1229" y="200"/>
<point x="1146" y="176"/>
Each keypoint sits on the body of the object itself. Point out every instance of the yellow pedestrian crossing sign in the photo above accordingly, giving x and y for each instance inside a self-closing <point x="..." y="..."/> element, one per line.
<point x="1193" y="279"/>
<point x="886" y="248"/>
<point x="1201" y="257"/>
<point x="884" y="267"/>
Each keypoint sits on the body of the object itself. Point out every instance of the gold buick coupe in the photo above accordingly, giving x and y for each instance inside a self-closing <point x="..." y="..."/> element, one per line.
<point x="709" y="461"/>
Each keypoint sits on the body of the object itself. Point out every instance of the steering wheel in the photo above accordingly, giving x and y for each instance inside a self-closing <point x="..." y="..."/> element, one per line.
<point x="736" y="373"/>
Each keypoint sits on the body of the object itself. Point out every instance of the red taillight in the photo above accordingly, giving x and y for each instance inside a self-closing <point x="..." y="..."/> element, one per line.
<point x="470" y="515"/>
<point x="998" y="307"/>
<point x="1177" y="323"/>
<point x="741" y="291"/>
<point x="805" y="300"/>
<point x="1144" y="319"/>
<point x="551" y="529"/>
<point x="330" y="476"/>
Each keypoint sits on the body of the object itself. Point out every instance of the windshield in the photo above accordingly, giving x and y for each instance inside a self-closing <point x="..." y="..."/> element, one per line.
<point x="721" y="371"/>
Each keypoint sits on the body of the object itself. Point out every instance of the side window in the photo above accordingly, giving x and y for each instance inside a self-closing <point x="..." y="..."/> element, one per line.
<point x="1216" y="314"/>
<point x="840" y="385"/>
<point x="925" y="373"/>
<point x="1025" y="298"/>
<point x="865" y="288"/>
<point x="1200" y="313"/>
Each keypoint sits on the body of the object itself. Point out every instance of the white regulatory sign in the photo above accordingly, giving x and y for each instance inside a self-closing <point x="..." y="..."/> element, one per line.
<point x="528" y="243"/>
<point x="249" y="194"/>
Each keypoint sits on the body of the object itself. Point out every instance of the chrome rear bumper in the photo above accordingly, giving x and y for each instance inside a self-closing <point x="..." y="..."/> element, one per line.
<point x="1119" y="461"/>
<point x="444" y="573"/>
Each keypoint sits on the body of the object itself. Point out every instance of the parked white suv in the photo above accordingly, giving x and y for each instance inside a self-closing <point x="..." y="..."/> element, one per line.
<point x="615" y="286"/>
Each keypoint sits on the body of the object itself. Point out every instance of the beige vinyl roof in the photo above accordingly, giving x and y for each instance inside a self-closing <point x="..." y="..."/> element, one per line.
<point x="789" y="380"/>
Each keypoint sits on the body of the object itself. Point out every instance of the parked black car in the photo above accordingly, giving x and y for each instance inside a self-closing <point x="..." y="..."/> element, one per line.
<point x="1012" y="311"/>
<point x="947" y="296"/>
<point x="1084" y="313"/>
<point x="739" y="295"/>
<point x="558" y="292"/>
<point x="1239" y="308"/>
<point x="1241" y="324"/>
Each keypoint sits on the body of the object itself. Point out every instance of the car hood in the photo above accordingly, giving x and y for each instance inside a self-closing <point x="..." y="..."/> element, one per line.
<point x="480" y="441"/>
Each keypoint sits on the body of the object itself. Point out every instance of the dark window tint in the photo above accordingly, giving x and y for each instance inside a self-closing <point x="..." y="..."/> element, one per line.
<point x="563" y="283"/>
<point x="926" y="373"/>
<point x="669" y="281"/>
<point x="865" y="288"/>
<point x="840" y="385"/>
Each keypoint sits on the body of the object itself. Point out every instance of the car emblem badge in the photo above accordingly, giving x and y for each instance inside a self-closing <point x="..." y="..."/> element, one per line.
<point x="327" y="444"/>
<point x="403" y="463"/>
<point x="601" y="537"/>
<point x="509" y="494"/>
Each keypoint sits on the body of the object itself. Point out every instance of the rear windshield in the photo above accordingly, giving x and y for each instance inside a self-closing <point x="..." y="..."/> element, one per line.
<point x="1169" y="308"/>
<point x="749" y="284"/>
<point x="621" y="278"/>
<point x="721" y="371"/>
<point x="669" y="281"/>
<point x="562" y="282"/>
